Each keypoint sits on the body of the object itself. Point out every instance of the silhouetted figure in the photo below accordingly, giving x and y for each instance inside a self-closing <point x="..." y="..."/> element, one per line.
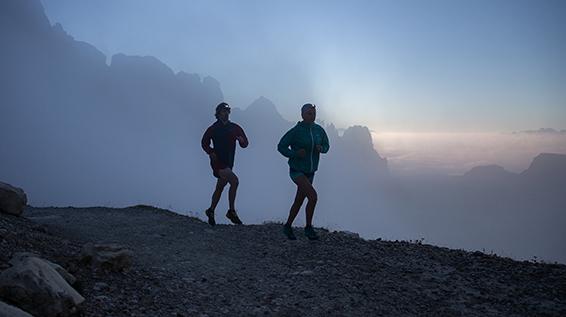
<point x="223" y="134"/>
<point x="303" y="145"/>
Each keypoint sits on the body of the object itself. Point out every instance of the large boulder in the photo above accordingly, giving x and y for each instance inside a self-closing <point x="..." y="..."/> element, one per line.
<point x="18" y="257"/>
<point x="111" y="256"/>
<point x="11" y="311"/>
<point x="12" y="199"/>
<point x="35" y="286"/>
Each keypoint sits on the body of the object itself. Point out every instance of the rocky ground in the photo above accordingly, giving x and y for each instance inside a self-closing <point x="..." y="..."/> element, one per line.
<point x="184" y="267"/>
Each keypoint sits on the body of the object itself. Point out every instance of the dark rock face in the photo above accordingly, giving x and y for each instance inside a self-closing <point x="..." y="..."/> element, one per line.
<point x="358" y="135"/>
<point x="27" y="16"/>
<point x="358" y="140"/>
<point x="12" y="199"/>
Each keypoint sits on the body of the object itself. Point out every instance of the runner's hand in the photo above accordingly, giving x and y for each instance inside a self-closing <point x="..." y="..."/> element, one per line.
<point x="301" y="153"/>
<point x="240" y="139"/>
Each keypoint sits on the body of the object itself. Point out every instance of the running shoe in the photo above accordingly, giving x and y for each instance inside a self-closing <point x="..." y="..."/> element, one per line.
<point x="288" y="231"/>
<point x="310" y="233"/>
<point x="210" y="214"/>
<point x="233" y="216"/>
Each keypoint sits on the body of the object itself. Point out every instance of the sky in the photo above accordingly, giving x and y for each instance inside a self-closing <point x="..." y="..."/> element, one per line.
<point x="395" y="66"/>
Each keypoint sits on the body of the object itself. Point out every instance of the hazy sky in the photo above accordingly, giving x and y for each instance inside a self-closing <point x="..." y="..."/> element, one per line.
<point x="395" y="66"/>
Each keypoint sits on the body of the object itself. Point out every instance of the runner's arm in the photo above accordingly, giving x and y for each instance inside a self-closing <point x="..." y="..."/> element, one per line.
<point x="325" y="144"/>
<point x="205" y="142"/>
<point x="284" y="143"/>
<point x="242" y="138"/>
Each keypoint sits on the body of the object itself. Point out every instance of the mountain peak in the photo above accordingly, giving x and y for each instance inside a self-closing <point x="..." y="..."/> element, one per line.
<point x="262" y="103"/>
<point x="487" y="171"/>
<point x="264" y="108"/>
<point x="358" y="135"/>
<point x="547" y="165"/>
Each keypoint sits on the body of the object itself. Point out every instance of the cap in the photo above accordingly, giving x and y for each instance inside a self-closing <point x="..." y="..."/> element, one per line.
<point x="306" y="107"/>
<point x="221" y="106"/>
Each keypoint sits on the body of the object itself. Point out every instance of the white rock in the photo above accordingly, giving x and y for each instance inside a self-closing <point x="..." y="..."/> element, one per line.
<point x="18" y="257"/>
<point x="112" y="257"/>
<point x="12" y="199"/>
<point x="350" y="234"/>
<point x="34" y="285"/>
<point x="11" y="311"/>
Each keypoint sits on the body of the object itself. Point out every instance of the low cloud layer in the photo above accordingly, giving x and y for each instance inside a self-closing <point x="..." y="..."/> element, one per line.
<point x="457" y="153"/>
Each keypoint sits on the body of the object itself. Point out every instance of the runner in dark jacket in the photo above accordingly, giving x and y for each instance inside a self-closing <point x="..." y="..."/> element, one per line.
<point x="303" y="145"/>
<point x="223" y="135"/>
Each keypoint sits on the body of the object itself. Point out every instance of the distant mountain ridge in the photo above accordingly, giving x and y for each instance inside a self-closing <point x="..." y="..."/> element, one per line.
<point x="545" y="166"/>
<point x="542" y="131"/>
<point x="114" y="120"/>
<point x="488" y="172"/>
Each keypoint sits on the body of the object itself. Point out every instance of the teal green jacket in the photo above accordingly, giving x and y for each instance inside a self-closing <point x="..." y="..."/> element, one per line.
<point x="304" y="136"/>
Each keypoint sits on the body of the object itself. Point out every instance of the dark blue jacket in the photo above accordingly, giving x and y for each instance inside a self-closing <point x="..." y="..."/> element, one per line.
<point x="223" y="138"/>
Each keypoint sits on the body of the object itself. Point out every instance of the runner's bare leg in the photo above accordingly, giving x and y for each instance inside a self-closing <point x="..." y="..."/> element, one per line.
<point x="296" y="206"/>
<point x="220" y="184"/>
<point x="305" y="187"/>
<point x="231" y="178"/>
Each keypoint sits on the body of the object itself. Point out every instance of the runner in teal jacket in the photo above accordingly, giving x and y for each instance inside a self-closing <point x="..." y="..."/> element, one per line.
<point x="303" y="145"/>
<point x="304" y="136"/>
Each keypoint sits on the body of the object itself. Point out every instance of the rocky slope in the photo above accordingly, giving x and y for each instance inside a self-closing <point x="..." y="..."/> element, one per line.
<point x="183" y="267"/>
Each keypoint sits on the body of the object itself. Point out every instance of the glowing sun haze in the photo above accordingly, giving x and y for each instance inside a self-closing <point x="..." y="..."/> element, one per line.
<point x="457" y="153"/>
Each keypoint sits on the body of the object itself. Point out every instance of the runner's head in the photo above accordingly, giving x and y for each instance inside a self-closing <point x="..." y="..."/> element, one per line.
<point x="308" y="112"/>
<point x="222" y="111"/>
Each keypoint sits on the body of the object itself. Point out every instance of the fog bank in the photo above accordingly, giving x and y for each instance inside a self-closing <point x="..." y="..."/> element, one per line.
<point x="457" y="153"/>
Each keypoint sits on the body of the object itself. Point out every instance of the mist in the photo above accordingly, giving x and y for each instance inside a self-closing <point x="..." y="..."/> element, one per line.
<point x="82" y="128"/>
<point x="392" y="66"/>
<point x="427" y="153"/>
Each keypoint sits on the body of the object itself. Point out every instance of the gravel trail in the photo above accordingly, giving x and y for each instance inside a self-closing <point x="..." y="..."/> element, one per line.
<point x="184" y="267"/>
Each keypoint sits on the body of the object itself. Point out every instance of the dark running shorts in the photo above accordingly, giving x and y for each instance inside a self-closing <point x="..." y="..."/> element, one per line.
<point x="216" y="166"/>
<point x="295" y="173"/>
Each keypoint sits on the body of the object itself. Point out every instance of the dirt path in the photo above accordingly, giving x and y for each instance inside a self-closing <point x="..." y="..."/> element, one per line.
<point x="185" y="267"/>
